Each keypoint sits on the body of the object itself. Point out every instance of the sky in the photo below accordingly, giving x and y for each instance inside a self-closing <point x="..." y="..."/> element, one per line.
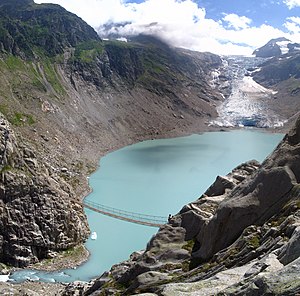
<point x="225" y="27"/>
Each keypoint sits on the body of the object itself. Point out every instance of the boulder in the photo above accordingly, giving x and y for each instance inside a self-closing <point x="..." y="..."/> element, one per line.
<point x="219" y="186"/>
<point x="148" y="278"/>
<point x="291" y="250"/>
<point x="250" y="203"/>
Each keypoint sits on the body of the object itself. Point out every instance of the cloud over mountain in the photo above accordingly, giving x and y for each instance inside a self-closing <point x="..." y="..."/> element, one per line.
<point x="180" y="23"/>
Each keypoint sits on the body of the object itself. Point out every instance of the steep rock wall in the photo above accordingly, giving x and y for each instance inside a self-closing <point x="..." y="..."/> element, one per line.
<point x="39" y="213"/>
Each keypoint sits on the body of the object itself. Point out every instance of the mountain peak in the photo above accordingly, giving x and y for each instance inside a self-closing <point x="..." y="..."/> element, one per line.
<point x="276" y="47"/>
<point x="280" y="39"/>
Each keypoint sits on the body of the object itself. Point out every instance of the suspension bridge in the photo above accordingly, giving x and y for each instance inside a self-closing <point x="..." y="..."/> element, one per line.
<point x="143" y="219"/>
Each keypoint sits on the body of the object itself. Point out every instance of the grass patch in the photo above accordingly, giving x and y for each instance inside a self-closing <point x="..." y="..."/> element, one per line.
<point x="73" y="252"/>
<point x="14" y="63"/>
<point x="16" y="118"/>
<point x="254" y="242"/>
<point x="6" y="168"/>
<point x="189" y="245"/>
<point x="118" y="43"/>
<point x="52" y="76"/>
<point x="4" y="109"/>
<point x="20" y="119"/>
<point x="86" y="52"/>
<point x="36" y="79"/>
<point x="113" y="285"/>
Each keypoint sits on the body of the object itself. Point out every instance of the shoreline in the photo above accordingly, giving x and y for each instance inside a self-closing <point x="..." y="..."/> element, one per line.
<point x="61" y="263"/>
<point x="86" y="254"/>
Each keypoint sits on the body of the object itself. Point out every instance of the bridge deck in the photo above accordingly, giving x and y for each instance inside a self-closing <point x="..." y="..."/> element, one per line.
<point x="148" y="220"/>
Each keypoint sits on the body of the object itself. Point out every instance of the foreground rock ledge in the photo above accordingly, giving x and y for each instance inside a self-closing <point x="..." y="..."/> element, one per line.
<point x="242" y="237"/>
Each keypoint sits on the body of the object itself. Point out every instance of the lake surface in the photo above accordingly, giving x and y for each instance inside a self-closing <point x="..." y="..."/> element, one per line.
<point x="157" y="178"/>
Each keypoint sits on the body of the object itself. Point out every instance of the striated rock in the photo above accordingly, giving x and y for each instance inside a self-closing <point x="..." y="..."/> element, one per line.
<point x="197" y="214"/>
<point x="250" y="203"/>
<point x="207" y="287"/>
<point x="38" y="214"/>
<point x="148" y="278"/>
<point x="219" y="186"/>
<point x="282" y="282"/>
<point x="291" y="250"/>
<point x="270" y="263"/>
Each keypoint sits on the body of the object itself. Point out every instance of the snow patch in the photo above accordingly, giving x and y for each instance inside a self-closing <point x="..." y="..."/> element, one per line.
<point x="256" y="70"/>
<point x="283" y="45"/>
<point x="214" y="78"/>
<point x="250" y="86"/>
<point x="123" y="39"/>
<point x="4" y="277"/>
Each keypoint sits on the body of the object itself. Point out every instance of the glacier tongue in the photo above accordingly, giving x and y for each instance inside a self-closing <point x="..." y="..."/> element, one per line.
<point x="247" y="104"/>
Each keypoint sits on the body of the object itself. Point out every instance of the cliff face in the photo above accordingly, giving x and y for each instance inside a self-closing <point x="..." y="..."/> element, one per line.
<point x="240" y="238"/>
<point x="26" y="27"/>
<point x="39" y="212"/>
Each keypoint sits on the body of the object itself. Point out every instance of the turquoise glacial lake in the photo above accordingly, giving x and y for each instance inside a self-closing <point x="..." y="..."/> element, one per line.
<point x="154" y="177"/>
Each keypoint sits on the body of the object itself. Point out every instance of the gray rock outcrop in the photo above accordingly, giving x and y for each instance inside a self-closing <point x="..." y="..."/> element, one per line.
<point x="38" y="211"/>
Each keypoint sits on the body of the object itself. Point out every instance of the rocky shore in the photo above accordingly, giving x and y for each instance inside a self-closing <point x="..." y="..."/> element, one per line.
<point x="240" y="238"/>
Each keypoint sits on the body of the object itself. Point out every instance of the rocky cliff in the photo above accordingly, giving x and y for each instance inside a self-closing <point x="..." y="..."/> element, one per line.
<point x="66" y="98"/>
<point x="282" y="75"/>
<point x="240" y="238"/>
<point x="27" y="27"/>
<point x="40" y="213"/>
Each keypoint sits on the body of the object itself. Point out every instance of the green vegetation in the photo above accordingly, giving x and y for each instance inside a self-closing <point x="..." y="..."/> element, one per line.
<point x="6" y="168"/>
<point x="52" y="76"/>
<point x="117" y="43"/>
<point x="20" y="119"/>
<point x="14" y="63"/>
<point x="86" y="52"/>
<point x="185" y="266"/>
<point x="4" y="109"/>
<point x="254" y="241"/>
<point x="16" y="118"/>
<point x="285" y="286"/>
<point x="5" y="267"/>
<point x="73" y="252"/>
<point x="40" y="26"/>
<point x="113" y="285"/>
<point x="189" y="245"/>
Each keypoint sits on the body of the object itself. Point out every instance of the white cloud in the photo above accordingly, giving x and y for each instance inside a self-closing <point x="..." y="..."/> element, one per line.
<point x="237" y="22"/>
<point x="293" y="24"/>
<point x="292" y="3"/>
<point x="181" y="23"/>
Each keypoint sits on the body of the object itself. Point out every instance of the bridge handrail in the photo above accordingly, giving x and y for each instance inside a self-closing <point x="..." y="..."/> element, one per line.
<point x="139" y="216"/>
